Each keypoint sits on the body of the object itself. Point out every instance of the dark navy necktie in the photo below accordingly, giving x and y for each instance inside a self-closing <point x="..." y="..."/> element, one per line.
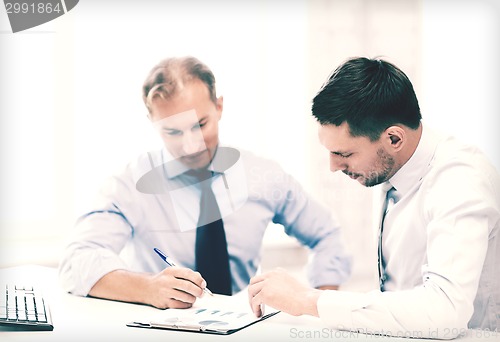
<point x="212" y="259"/>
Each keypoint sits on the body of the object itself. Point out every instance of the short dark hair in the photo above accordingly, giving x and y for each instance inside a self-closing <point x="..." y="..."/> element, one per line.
<point x="370" y="95"/>
<point x="168" y="77"/>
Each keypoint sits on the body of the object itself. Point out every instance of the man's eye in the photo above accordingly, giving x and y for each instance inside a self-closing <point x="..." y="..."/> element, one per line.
<point x="198" y="126"/>
<point x="172" y="133"/>
<point x="342" y="155"/>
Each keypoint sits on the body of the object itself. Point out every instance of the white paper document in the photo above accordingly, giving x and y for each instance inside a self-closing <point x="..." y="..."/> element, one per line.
<point x="216" y="314"/>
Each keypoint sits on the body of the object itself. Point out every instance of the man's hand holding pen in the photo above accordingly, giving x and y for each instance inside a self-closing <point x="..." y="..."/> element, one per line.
<point x="175" y="287"/>
<point x="178" y="286"/>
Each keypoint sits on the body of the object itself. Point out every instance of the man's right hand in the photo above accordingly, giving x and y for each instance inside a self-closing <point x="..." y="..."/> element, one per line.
<point x="175" y="287"/>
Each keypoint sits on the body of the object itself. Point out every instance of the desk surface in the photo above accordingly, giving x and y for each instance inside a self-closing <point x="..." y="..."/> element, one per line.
<point x="81" y="319"/>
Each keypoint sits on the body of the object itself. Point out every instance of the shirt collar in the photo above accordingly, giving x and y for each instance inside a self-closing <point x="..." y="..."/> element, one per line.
<point x="174" y="168"/>
<point x="416" y="167"/>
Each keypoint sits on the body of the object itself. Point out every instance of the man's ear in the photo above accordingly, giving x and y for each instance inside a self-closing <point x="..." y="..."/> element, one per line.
<point x="395" y="137"/>
<point x="219" y="105"/>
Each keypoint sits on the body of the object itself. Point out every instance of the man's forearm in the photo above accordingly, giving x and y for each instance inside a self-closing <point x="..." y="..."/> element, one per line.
<point x="123" y="286"/>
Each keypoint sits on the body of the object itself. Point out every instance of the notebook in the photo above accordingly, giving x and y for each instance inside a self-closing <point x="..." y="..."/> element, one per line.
<point x="219" y="314"/>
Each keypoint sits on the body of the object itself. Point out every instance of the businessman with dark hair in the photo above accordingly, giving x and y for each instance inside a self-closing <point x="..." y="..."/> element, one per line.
<point x="439" y="238"/>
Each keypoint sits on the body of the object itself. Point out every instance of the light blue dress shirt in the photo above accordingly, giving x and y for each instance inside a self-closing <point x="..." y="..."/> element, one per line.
<point x="123" y="226"/>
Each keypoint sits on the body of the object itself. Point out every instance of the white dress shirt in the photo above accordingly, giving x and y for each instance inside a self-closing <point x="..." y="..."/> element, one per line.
<point x="441" y="248"/>
<point x="132" y="215"/>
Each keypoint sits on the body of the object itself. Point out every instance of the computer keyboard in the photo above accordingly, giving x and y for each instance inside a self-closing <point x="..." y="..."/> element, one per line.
<point x="24" y="308"/>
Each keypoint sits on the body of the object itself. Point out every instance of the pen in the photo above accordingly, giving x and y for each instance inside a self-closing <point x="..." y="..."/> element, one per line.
<point x="171" y="263"/>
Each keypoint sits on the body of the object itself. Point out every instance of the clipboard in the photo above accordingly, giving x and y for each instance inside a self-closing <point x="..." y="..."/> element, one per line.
<point x="222" y="315"/>
<point x="184" y="322"/>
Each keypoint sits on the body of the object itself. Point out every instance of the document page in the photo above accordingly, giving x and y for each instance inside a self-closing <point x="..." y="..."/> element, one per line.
<point x="211" y="314"/>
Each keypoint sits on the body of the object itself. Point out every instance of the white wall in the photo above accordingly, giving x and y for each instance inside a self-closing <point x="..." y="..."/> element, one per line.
<point x="71" y="108"/>
<point x="461" y="69"/>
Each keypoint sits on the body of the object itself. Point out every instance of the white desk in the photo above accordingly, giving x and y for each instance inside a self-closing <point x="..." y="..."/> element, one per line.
<point x="86" y="319"/>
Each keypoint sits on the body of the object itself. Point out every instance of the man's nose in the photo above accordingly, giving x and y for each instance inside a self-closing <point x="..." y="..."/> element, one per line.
<point x="192" y="142"/>
<point x="337" y="163"/>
